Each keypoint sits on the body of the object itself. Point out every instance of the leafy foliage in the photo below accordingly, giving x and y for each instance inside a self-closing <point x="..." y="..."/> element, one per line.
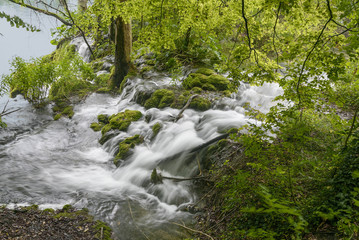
<point x="18" y="22"/>
<point x="60" y="75"/>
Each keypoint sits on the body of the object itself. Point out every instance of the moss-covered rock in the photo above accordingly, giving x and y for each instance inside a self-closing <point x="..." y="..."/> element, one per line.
<point x="122" y="120"/>
<point x="62" y="109"/>
<point x="103" y="90"/>
<point x="102" y="80"/>
<point x="68" y="111"/>
<point x="206" y="79"/>
<point x="125" y="146"/>
<point x="103" y="118"/>
<point x="161" y="98"/>
<point x="57" y="116"/>
<point x="205" y="71"/>
<point x="96" y="126"/>
<point x="200" y="104"/>
<point x="156" y="129"/>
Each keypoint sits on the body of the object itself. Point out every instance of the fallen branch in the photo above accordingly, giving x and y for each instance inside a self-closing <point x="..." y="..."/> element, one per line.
<point x="7" y="112"/>
<point x="180" y="114"/>
<point x="193" y="230"/>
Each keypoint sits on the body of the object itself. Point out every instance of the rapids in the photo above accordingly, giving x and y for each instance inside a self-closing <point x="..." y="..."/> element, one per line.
<point x="52" y="163"/>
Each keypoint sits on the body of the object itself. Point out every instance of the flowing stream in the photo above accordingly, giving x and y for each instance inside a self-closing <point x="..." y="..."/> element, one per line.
<point x="53" y="163"/>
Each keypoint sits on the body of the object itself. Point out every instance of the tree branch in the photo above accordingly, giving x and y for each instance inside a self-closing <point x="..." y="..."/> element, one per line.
<point x="274" y="31"/>
<point x="43" y="12"/>
<point x="310" y="52"/>
<point x="78" y="27"/>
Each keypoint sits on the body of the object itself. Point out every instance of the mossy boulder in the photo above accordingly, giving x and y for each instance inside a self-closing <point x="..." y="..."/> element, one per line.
<point x="122" y="120"/>
<point x="206" y="79"/>
<point x="125" y="146"/>
<point x="61" y="109"/>
<point x="205" y="71"/>
<point x="96" y="126"/>
<point x="103" y="118"/>
<point x="161" y="98"/>
<point x="156" y="129"/>
<point x="200" y="104"/>
<point x="68" y="111"/>
<point x="104" y="90"/>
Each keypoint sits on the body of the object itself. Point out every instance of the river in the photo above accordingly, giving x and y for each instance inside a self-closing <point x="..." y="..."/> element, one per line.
<point x="53" y="163"/>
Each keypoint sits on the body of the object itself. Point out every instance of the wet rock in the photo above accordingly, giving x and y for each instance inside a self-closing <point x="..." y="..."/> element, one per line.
<point x="125" y="146"/>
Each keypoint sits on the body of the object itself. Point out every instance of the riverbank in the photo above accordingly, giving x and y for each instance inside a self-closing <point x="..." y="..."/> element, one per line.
<point x="66" y="223"/>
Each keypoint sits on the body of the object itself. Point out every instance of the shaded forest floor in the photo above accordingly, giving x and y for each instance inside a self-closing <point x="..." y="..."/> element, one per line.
<point x="67" y="223"/>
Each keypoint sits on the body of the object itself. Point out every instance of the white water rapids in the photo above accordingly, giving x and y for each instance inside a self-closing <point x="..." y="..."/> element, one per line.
<point x="52" y="163"/>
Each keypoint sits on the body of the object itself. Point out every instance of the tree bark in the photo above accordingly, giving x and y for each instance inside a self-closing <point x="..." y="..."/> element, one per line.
<point x="123" y="47"/>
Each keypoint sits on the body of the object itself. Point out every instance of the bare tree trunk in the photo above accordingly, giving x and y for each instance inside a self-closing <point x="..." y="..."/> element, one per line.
<point x="123" y="47"/>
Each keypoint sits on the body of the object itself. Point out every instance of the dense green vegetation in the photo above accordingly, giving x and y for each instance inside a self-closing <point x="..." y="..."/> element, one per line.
<point x="293" y="177"/>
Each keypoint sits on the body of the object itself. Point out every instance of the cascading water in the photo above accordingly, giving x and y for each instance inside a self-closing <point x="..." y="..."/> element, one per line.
<point x="52" y="163"/>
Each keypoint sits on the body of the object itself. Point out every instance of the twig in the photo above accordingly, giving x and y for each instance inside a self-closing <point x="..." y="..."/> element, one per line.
<point x="43" y="11"/>
<point x="310" y="52"/>
<point x="180" y="114"/>
<point x="101" y="233"/>
<point x="81" y="31"/>
<point x="129" y="206"/>
<point x="182" y="179"/>
<point x="193" y="230"/>
<point x="199" y="165"/>
<point x="5" y="107"/>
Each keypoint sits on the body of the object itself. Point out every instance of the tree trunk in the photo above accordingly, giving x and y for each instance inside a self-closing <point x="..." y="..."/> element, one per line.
<point x="123" y="46"/>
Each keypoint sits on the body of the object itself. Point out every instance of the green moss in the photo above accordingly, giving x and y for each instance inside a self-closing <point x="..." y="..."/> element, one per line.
<point x="205" y="71"/>
<point x="97" y="66"/>
<point x="105" y="129"/>
<point x="146" y="69"/>
<point x="96" y="126"/>
<point x="67" y="208"/>
<point x="213" y="82"/>
<point x="126" y="145"/>
<point x="68" y="111"/>
<point x="14" y="92"/>
<point x="103" y="90"/>
<point x="161" y="98"/>
<point x="122" y="85"/>
<point x="122" y="120"/>
<point x="227" y="93"/>
<point x="103" y="230"/>
<point x="57" y="116"/>
<point x="103" y="118"/>
<point x="196" y="90"/>
<point x="102" y="80"/>
<point x="200" y="103"/>
<point x="156" y="128"/>
<point x="49" y="210"/>
<point x="219" y="82"/>
<point x="155" y="177"/>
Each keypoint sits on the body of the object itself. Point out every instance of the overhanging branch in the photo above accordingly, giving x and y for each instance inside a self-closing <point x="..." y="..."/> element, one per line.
<point x="43" y="12"/>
